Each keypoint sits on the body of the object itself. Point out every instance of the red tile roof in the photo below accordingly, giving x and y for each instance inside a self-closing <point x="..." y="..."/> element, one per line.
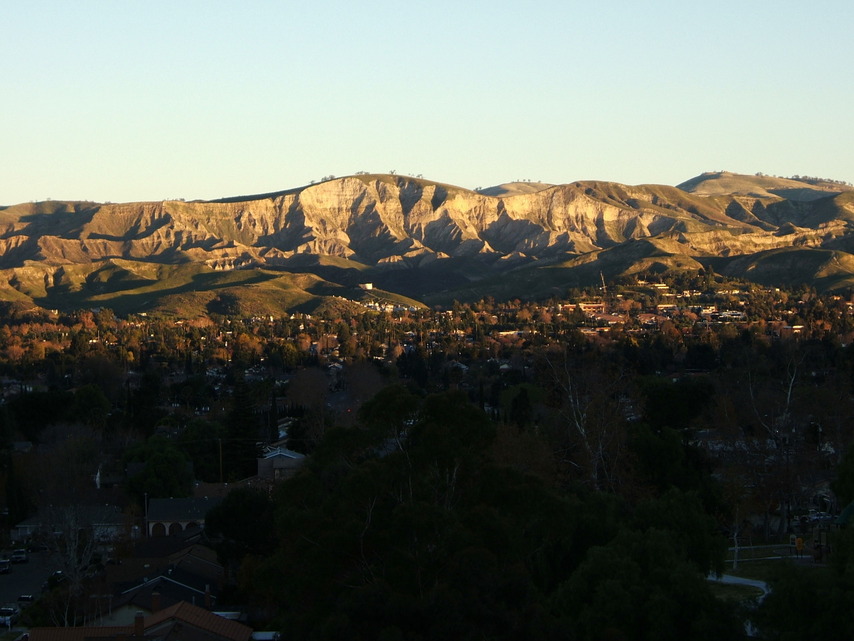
<point x="200" y="618"/>
<point x="212" y="626"/>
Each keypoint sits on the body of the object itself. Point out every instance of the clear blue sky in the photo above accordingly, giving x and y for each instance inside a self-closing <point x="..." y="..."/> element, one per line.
<point x="124" y="100"/>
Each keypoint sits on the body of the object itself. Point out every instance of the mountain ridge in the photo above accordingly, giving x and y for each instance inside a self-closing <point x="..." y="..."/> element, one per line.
<point x="419" y="238"/>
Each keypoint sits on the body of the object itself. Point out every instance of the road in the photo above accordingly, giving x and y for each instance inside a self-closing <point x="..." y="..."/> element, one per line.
<point x="25" y="578"/>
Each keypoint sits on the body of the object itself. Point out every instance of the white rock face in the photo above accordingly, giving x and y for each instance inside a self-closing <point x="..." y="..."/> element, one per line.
<point x="388" y="219"/>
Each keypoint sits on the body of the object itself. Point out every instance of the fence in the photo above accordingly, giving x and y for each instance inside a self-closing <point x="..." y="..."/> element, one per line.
<point x="761" y="553"/>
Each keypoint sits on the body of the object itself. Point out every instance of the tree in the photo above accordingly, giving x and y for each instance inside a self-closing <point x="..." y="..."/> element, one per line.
<point x="433" y="539"/>
<point x="589" y="397"/>
<point x="32" y="412"/>
<point x="363" y="381"/>
<point x="242" y="524"/>
<point x="640" y="586"/>
<point x="383" y="542"/>
<point x="521" y="411"/>
<point x="91" y="406"/>
<point x="674" y="404"/>
<point x="62" y="470"/>
<point x="242" y="434"/>
<point x="201" y="442"/>
<point x="692" y="529"/>
<point x="146" y="401"/>
<point x="843" y="484"/>
<point x="73" y="547"/>
<point x="807" y="604"/>
<point x="17" y="500"/>
<point x="390" y="413"/>
<point x="166" y="471"/>
<point x="307" y="390"/>
<point x="412" y="365"/>
<point x="345" y="340"/>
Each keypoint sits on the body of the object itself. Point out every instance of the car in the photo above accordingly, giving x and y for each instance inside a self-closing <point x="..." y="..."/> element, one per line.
<point x="8" y="616"/>
<point x="25" y="599"/>
<point x="19" y="556"/>
<point x="54" y="580"/>
<point x="5" y="566"/>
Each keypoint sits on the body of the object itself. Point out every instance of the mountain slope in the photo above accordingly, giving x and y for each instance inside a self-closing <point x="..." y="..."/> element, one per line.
<point x="724" y="183"/>
<point x="416" y="237"/>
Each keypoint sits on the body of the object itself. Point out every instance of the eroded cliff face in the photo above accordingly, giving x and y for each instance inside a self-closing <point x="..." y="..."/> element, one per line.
<point x="387" y="219"/>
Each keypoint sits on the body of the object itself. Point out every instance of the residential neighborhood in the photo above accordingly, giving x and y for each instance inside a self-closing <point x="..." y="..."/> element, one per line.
<point x="154" y="468"/>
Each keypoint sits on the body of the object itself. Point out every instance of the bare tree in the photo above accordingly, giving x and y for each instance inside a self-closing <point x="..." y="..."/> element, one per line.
<point x="591" y="402"/>
<point x="69" y="504"/>
<point x="309" y="389"/>
<point x="781" y="432"/>
<point x="72" y="543"/>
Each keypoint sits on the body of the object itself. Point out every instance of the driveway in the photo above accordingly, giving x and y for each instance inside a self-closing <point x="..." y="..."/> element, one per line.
<point x="730" y="579"/>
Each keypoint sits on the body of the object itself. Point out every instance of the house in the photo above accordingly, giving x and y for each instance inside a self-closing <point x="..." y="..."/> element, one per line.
<point x="592" y="308"/>
<point x="161" y="572"/>
<point x="650" y="321"/>
<point x="180" y="622"/>
<point x="279" y="463"/>
<point x="150" y="595"/>
<point x="608" y="319"/>
<point x="106" y="522"/>
<point x="176" y="516"/>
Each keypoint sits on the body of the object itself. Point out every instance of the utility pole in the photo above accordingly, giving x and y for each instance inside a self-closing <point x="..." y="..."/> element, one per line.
<point x="606" y="306"/>
<point x="220" y="459"/>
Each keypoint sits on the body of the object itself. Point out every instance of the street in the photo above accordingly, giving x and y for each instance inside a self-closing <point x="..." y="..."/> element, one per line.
<point x="25" y="578"/>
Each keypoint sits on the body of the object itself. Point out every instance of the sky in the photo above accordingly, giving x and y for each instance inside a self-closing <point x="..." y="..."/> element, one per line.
<point x="119" y="101"/>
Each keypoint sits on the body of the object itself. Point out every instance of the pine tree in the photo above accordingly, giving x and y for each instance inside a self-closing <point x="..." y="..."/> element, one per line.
<point x="242" y="435"/>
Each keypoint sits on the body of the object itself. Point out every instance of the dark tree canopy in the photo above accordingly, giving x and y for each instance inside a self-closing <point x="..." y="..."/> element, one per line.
<point x="163" y="470"/>
<point x="404" y="527"/>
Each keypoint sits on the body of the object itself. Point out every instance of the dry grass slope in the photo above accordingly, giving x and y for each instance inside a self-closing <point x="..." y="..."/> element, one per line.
<point x="724" y="183"/>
